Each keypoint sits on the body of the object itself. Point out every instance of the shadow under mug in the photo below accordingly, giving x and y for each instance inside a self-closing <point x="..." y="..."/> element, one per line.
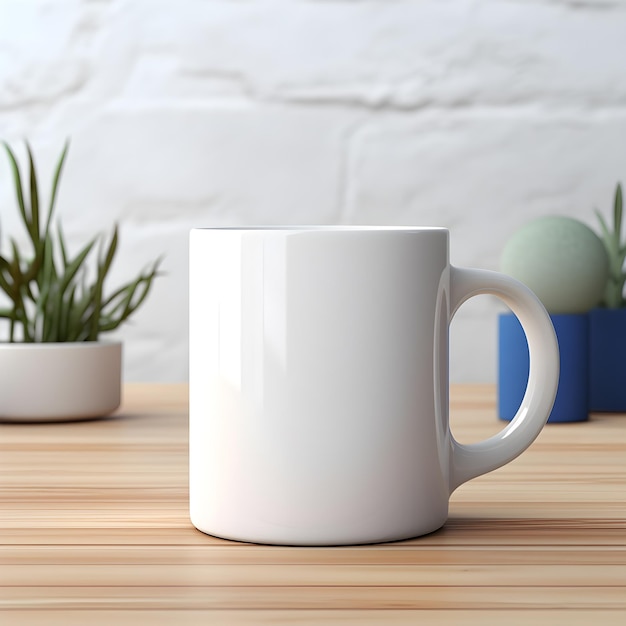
<point x="319" y="382"/>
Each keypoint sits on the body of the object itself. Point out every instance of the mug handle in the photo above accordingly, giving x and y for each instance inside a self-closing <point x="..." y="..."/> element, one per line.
<point x="471" y="460"/>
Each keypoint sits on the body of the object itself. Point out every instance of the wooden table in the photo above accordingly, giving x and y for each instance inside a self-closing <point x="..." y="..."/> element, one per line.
<point x="94" y="530"/>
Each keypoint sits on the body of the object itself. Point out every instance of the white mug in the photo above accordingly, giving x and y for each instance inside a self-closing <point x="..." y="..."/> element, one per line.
<point x="319" y="382"/>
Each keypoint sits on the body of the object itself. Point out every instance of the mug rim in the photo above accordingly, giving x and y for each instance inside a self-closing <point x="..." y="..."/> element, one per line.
<point x="326" y="228"/>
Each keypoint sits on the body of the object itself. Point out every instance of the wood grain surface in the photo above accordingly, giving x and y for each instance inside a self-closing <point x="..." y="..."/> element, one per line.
<point x="94" y="529"/>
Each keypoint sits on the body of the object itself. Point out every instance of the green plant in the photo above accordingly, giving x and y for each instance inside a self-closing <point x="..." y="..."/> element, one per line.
<point x="55" y="297"/>
<point x="616" y="251"/>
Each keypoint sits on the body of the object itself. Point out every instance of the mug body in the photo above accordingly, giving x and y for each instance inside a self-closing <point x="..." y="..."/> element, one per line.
<point x="318" y="383"/>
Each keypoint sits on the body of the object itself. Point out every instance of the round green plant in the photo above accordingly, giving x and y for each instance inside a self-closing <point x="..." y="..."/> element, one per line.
<point x="53" y="296"/>
<point x="561" y="259"/>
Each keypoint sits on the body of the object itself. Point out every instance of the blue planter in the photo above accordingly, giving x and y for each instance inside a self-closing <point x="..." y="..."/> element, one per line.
<point x="607" y="360"/>
<point x="572" y="331"/>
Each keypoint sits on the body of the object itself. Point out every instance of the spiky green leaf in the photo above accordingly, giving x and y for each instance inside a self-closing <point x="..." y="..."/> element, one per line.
<point x="617" y="217"/>
<point x="34" y="197"/>
<point x="17" y="183"/>
<point x="72" y="267"/>
<point x="110" y="254"/>
<point x="62" y="245"/>
<point x="55" y="184"/>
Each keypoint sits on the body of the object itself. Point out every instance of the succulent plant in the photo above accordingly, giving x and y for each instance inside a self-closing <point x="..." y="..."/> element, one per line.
<point x="561" y="259"/>
<point x="53" y="296"/>
<point x="616" y="251"/>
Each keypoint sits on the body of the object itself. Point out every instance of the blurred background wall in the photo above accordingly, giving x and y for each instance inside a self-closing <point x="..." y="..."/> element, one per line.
<point x="475" y="115"/>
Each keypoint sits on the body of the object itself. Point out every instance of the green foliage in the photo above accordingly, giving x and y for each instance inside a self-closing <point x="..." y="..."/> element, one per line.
<point x="616" y="251"/>
<point x="53" y="296"/>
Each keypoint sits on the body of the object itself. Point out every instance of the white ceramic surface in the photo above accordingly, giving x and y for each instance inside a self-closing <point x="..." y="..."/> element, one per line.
<point x="319" y="382"/>
<point x="59" y="381"/>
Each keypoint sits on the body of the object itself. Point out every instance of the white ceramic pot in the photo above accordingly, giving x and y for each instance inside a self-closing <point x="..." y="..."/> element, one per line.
<point x="59" y="381"/>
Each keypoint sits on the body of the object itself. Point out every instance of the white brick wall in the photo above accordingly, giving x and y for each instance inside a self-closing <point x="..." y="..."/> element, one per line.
<point x="476" y="115"/>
